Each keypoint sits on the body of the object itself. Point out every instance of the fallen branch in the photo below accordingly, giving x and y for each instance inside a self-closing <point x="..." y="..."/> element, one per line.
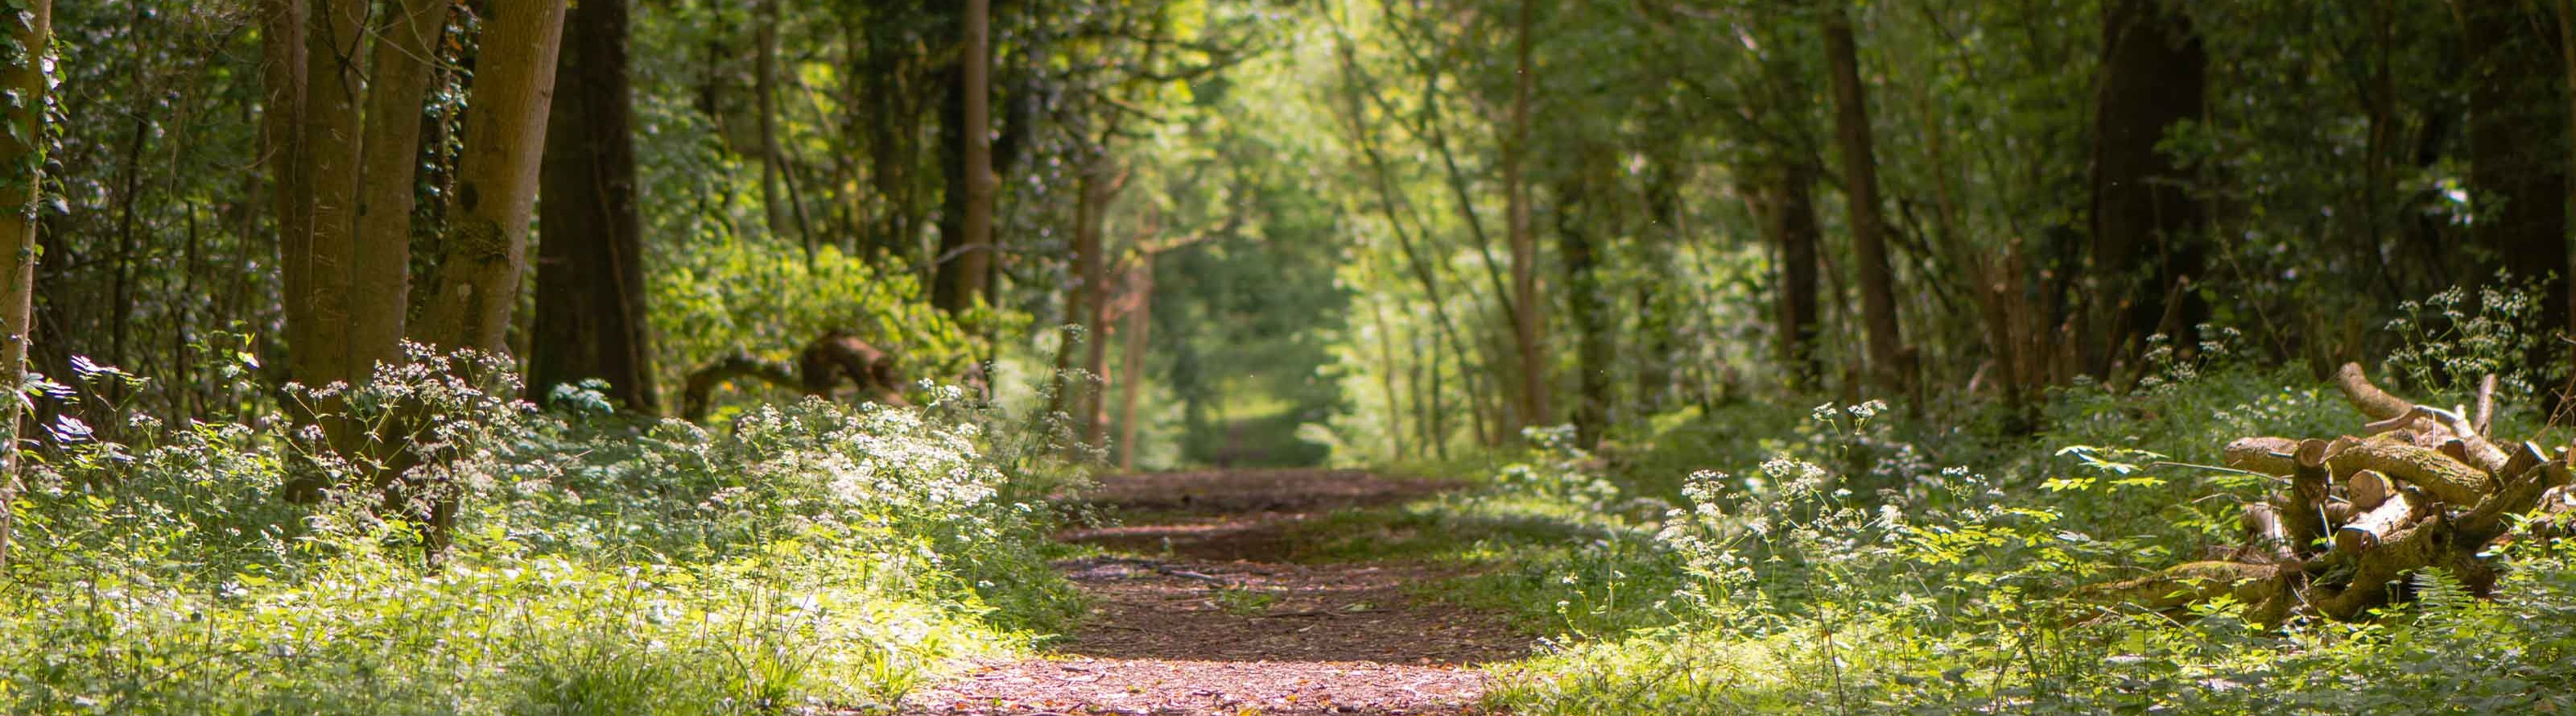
<point x="820" y="368"/>
<point x="2267" y="455"/>
<point x="838" y="356"/>
<point x="702" y="382"/>
<point x="2440" y="476"/>
<point x="2485" y="416"/>
<point x="2264" y="588"/>
<point x="2374" y="403"/>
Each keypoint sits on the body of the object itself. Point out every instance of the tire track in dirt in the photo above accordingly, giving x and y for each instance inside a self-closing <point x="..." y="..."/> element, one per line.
<point x="1216" y="606"/>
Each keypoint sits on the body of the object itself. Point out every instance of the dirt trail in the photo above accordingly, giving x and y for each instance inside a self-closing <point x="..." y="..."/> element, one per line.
<point x="1214" y="606"/>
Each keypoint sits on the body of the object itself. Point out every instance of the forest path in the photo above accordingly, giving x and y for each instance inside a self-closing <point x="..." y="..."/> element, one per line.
<point x="1217" y="603"/>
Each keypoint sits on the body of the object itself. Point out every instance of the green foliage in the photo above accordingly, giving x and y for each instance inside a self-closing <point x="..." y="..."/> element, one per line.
<point x="739" y="296"/>
<point x="811" y="555"/>
<point x="2453" y="339"/>
<point x="1833" y="579"/>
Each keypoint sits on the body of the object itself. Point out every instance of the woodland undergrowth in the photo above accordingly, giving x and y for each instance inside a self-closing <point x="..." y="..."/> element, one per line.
<point x="805" y="556"/>
<point x="1857" y="559"/>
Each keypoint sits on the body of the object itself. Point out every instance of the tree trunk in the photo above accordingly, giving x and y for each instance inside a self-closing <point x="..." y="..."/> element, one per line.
<point x="1091" y="290"/>
<point x="1423" y="388"/>
<point x="121" y="292"/>
<point x="962" y="275"/>
<point x="23" y="77"/>
<point x="380" y="278"/>
<point x="1095" y="186"/>
<point x="2519" y="191"/>
<point x="485" y="249"/>
<point x="1860" y="186"/>
<point x="1438" y="425"/>
<point x="773" y="201"/>
<point x="948" y="289"/>
<point x="283" y="85"/>
<point x="891" y="156"/>
<point x="1131" y="373"/>
<point x="2145" y="223"/>
<point x="1658" y="299"/>
<point x="2567" y="60"/>
<point x="1527" y="339"/>
<point x="1785" y="208"/>
<point x="1576" y="218"/>
<point x="1386" y="382"/>
<point x="590" y="303"/>
<point x="325" y="251"/>
<point x="282" y="88"/>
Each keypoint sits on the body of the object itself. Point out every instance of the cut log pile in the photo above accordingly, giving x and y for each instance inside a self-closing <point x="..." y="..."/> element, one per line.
<point x="2420" y="487"/>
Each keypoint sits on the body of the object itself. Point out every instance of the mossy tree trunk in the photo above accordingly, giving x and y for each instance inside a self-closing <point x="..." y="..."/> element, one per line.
<point x="484" y="250"/>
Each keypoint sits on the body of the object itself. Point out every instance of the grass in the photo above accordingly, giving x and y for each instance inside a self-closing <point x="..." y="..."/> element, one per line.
<point x="1244" y="601"/>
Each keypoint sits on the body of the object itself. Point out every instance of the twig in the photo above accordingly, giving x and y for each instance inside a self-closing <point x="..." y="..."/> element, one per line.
<point x="1318" y="613"/>
<point x="1187" y="574"/>
<point x="2486" y="404"/>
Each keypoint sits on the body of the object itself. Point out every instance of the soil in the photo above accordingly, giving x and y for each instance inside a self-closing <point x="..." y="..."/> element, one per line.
<point x="1216" y="606"/>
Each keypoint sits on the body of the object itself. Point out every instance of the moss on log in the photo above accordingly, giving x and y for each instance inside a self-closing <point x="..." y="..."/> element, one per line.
<point x="2438" y="475"/>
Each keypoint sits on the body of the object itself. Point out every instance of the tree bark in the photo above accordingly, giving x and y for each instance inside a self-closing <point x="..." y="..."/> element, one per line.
<point x="1387" y="382"/>
<point x="1659" y="298"/>
<point x="1095" y="187"/>
<point x="380" y="278"/>
<point x="773" y="201"/>
<point x="1131" y="373"/>
<point x="1528" y="341"/>
<point x="485" y="249"/>
<point x="1091" y="290"/>
<point x="1426" y="396"/>
<point x="2518" y="135"/>
<point x="23" y="157"/>
<point x="282" y="88"/>
<point x="1785" y="207"/>
<point x="2145" y="223"/>
<point x="325" y="251"/>
<point x="2567" y="68"/>
<point x="1576" y="218"/>
<point x="966" y="262"/>
<point x="1860" y="186"/>
<point x="591" y="304"/>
